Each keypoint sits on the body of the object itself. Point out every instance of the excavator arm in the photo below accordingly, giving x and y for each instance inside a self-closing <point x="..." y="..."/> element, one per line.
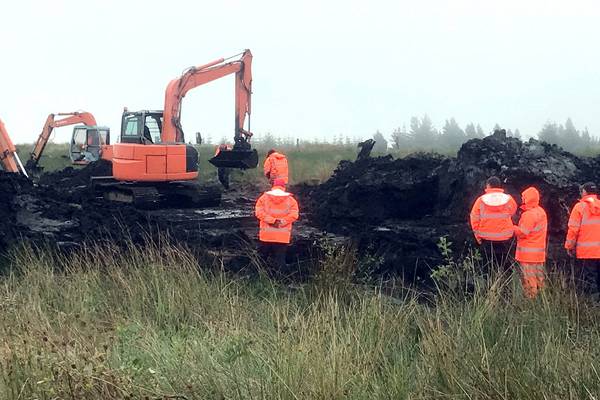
<point x="9" y="159"/>
<point x="197" y="76"/>
<point x="70" y="119"/>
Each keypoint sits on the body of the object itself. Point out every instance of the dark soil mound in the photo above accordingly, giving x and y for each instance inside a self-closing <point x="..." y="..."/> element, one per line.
<point x="374" y="190"/>
<point x="399" y="209"/>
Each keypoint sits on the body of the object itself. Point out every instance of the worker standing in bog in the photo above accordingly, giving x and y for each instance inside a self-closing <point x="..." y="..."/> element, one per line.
<point x="223" y="173"/>
<point x="276" y="167"/>
<point x="491" y="221"/>
<point x="531" y="242"/>
<point x="583" y="237"/>
<point x="276" y="210"/>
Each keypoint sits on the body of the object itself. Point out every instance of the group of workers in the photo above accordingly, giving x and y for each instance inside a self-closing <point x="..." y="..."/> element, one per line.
<point x="492" y="223"/>
<point x="491" y="220"/>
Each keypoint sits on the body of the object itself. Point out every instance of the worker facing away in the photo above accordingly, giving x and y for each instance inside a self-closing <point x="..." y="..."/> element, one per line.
<point x="276" y="210"/>
<point x="276" y="167"/>
<point x="531" y="242"/>
<point x="583" y="238"/>
<point x="223" y="173"/>
<point x="491" y="221"/>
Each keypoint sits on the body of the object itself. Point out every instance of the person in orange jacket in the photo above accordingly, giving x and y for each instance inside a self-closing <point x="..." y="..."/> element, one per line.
<point x="583" y="237"/>
<point x="531" y="242"/>
<point x="276" y="167"/>
<point x="276" y="210"/>
<point x="491" y="220"/>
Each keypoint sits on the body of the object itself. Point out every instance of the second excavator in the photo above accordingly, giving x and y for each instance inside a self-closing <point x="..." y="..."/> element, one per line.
<point x="86" y="141"/>
<point x="152" y="162"/>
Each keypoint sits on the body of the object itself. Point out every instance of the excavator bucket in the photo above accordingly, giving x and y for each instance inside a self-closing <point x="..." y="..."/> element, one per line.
<point x="236" y="158"/>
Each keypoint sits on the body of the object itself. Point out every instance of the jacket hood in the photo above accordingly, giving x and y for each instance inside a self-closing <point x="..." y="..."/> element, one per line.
<point x="531" y="197"/>
<point x="495" y="197"/>
<point x="277" y="155"/>
<point x="593" y="203"/>
<point x="277" y="192"/>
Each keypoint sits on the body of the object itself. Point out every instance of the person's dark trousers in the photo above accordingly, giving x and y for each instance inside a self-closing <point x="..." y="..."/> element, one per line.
<point x="587" y="275"/>
<point x="274" y="255"/>
<point x="497" y="253"/>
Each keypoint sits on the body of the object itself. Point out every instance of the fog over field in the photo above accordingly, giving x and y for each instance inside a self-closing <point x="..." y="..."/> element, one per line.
<point x="320" y="68"/>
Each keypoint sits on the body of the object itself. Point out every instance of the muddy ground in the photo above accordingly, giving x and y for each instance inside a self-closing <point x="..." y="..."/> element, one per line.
<point x="392" y="211"/>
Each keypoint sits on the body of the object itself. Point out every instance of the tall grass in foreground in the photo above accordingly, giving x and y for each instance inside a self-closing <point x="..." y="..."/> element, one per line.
<point x="147" y="323"/>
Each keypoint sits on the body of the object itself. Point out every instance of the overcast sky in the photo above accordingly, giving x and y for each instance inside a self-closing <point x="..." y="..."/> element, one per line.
<point x="321" y="68"/>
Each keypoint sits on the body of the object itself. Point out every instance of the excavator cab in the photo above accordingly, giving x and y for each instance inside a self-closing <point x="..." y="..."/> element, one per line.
<point x="87" y="143"/>
<point x="141" y="127"/>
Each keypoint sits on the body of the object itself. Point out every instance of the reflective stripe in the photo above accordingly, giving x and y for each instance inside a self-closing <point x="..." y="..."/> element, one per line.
<point x="495" y="216"/>
<point x="273" y="229"/>
<point x="588" y="244"/>
<point x="539" y="228"/>
<point x="494" y="234"/>
<point x="281" y="210"/>
<point x="532" y="274"/>
<point x="569" y="241"/>
<point x="534" y="270"/>
<point x="587" y="218"/>
<point x="483" y="215"/>
<point x="525" y="231"/>
<point x="531" y="249"/>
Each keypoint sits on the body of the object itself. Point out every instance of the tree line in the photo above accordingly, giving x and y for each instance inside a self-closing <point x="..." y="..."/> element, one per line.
<point x="422" y="135"/>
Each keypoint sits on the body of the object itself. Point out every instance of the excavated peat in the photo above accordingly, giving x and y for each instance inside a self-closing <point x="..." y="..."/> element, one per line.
<point x="397" y="210"/>
<point x="392" y="211"/>
<point x="62" y="211"/>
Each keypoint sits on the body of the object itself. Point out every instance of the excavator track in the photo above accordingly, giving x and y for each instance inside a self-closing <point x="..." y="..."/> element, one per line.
<point x="179" y="194"/>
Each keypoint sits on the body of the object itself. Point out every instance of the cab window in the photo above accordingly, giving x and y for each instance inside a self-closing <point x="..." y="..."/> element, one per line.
<point x="131" y="126"/>
<point x="80" y="137"/>
<point x="103" y="136"/>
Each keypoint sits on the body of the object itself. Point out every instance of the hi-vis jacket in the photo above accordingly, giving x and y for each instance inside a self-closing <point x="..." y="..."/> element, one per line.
<point x="491" y="215"/>
<point x="584" y="228"/>
<point x="532" y="229"/>
<point x="222" y="147"/>
<point x="276" y="167"/>
<point x="276" y="205"/>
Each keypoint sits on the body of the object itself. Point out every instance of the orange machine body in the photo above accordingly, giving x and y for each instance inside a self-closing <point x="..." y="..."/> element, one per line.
<point x="152" y="146"/>
<point x="151" y="163"/>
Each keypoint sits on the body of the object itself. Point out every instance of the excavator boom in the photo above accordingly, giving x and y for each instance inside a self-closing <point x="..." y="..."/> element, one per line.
<point x="9" y="159"/>
<point x="241" y="155"/>
<point x="70" y="119"/>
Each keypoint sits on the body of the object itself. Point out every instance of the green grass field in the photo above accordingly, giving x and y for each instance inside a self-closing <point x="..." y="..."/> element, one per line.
<point x="308" y="163"/>
<point x="148" y="324"/>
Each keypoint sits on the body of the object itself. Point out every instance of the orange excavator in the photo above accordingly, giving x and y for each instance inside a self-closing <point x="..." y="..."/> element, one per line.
<point x="152" y="160"/>
<point x="9" y="159"/>
<point x="86" y="141"/>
